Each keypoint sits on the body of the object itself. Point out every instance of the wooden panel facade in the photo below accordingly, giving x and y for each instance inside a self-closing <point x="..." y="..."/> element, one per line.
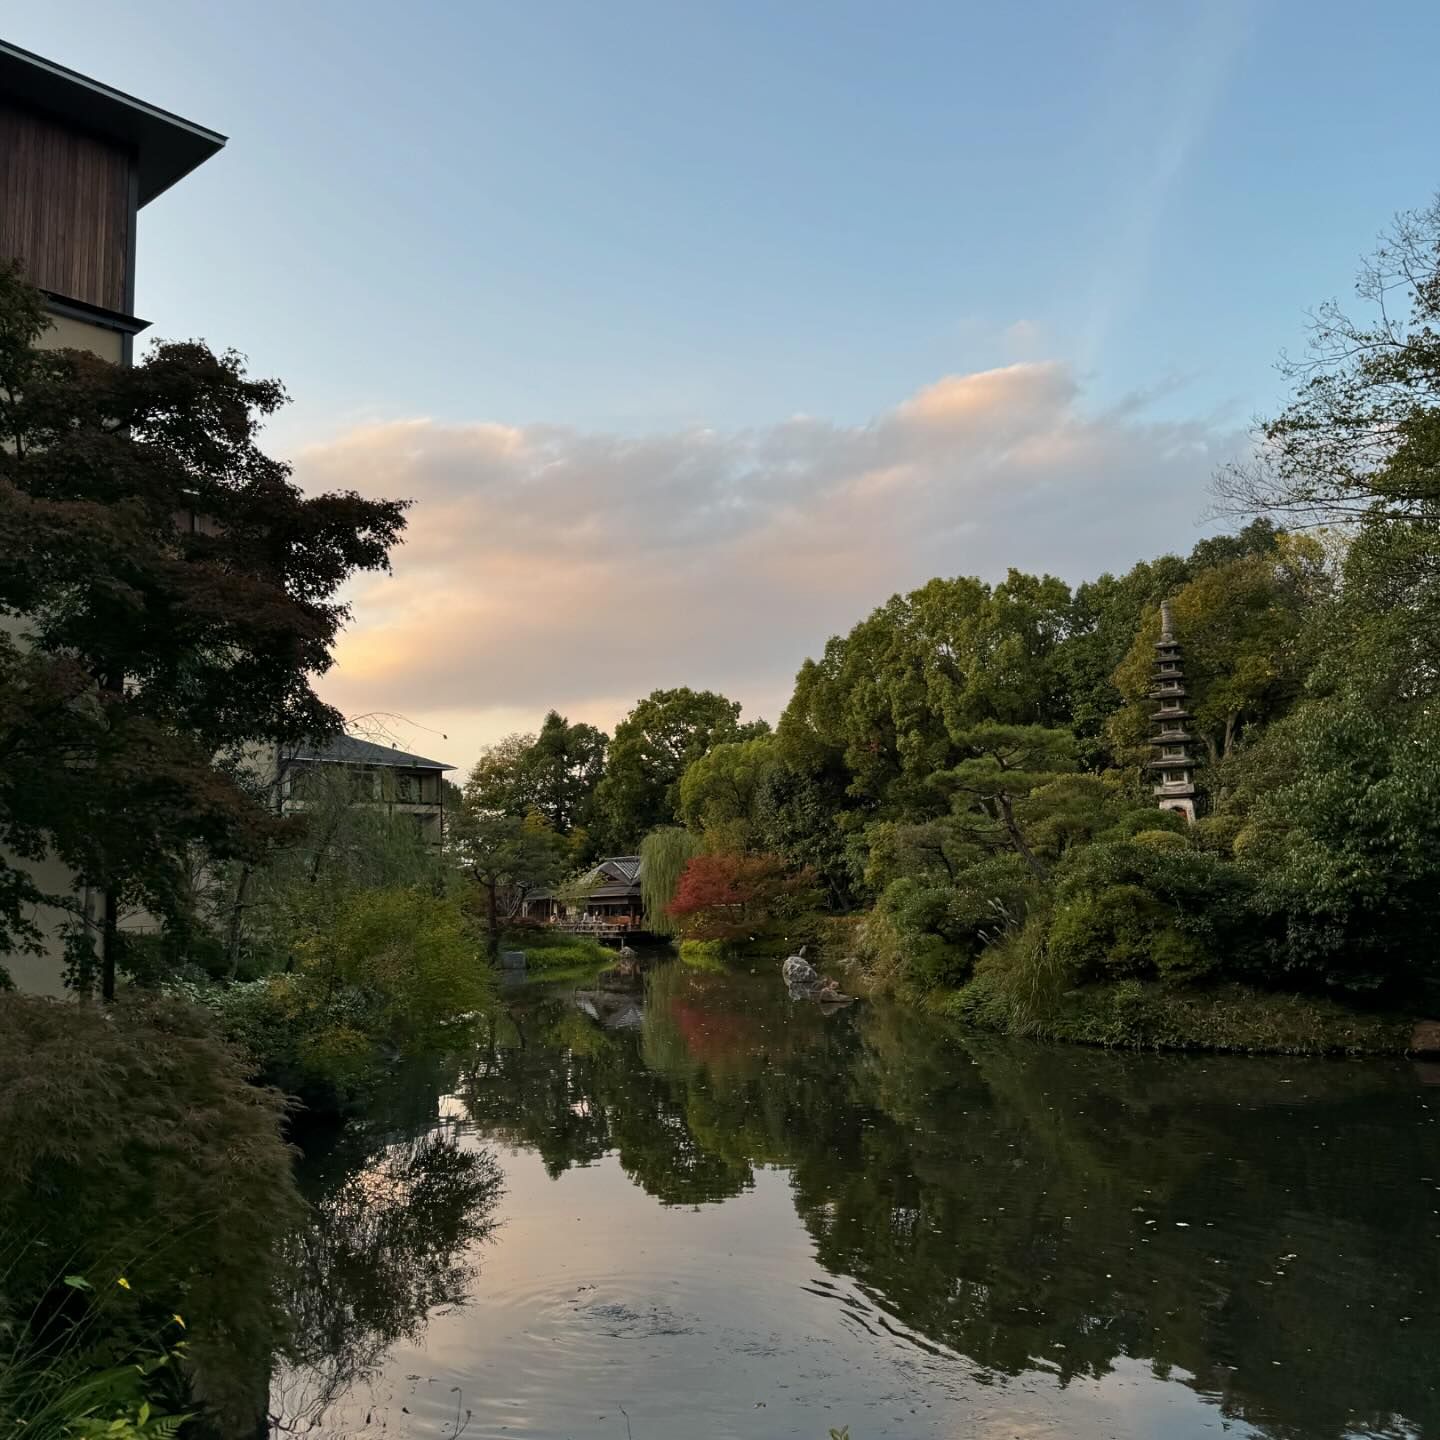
<point x="66" y="208"/>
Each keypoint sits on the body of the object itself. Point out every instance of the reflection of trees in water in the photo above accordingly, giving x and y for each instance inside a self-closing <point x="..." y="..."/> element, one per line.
<point x="392" y="1236"/>
<point x="1022" y="1205"/>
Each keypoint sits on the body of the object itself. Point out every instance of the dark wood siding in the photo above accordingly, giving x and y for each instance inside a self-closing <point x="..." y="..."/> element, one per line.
<point x="64" y="208"/>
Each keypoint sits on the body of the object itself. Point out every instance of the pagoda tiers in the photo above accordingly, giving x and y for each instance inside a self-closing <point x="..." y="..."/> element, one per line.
<point x="1170" y="737"/>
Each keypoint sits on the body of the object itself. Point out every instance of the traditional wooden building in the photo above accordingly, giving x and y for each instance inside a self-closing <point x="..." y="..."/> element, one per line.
<point x="608" y="900"/>
<point x="1173" y="763"/>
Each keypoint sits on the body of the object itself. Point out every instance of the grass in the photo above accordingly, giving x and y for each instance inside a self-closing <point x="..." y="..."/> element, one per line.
<point x="1149" y="1016"/>
<point x="547" y="953"/>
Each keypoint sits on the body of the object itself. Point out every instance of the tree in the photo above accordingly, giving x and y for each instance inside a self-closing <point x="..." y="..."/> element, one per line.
<point x="887" y="700"/>
<point x="733" y="897"/>
<point x="1361" y="437"/>
<point x="501" y="781"/>
<point x="664" y="853"/>
<point x="165" y="644"/>
<point x="1244" y="628"/>
<point x="653" y="747"/>
<point x="568" y="762"/>
<point x="719" y="791"/>
<point x="554" y="772"/>
<point x="1004" y="764"/>
<point x="1343" y="838"/>
<point x="507" y="858"/>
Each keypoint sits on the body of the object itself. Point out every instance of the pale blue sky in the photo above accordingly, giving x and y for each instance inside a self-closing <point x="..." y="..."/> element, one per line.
<point x="633" y="215"/>
<point x="565" y="273"/>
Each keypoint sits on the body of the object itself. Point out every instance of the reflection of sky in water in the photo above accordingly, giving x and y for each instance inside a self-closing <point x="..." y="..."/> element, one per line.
<point x="877" y="1221"/>
<point x="710" y="1322"/>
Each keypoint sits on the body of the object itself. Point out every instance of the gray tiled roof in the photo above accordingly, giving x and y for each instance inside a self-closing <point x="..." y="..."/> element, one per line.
<point x="347" y="750"/>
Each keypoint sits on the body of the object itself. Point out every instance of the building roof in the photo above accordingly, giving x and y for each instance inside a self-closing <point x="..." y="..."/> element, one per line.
<point x="167" y="147"/>
<point x="623" y="868"/>
<point x="347" y="750"/>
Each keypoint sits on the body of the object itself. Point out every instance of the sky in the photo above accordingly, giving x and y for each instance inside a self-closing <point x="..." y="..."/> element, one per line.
<point x="694" y="332"/>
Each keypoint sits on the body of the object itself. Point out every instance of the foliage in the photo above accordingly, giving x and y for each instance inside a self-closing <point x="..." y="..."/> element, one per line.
<point x="1243" y="624"/>
<point x="151" y="648"/>
<point x="52" y="1392"/>
<point x="132" y="1143"/>
<point x="1344" y="841"/>
<point x="506" y="858"/>
<point x="653" y="747"/>
<point x="732" y="897"/>
<point x="1127" y="907"/>
<point x="719" y="790"/>
<point x="1002" y="765"/>
<point x="888" y="700"/>
<point x="1360" y="440"/>
<point x="664" y="854"/>
<point x="941" y="928"/>
<point x="553" y="774"/>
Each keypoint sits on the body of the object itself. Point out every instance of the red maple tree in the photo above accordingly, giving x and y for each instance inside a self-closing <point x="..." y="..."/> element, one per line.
<point x="730" y="897"/>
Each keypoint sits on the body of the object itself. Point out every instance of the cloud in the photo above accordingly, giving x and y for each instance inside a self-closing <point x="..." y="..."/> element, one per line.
<point x="550" y="566"/>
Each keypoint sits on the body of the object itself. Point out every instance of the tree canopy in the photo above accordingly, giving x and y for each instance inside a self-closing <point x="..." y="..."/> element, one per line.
<point x="171" y="595"/>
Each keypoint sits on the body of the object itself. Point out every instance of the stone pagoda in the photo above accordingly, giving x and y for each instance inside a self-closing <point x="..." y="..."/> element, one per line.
<point x="1172" y="742"/>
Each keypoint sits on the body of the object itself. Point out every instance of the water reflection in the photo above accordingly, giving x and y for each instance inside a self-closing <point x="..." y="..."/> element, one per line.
<point x="400" y="1208"/>
<point x="1022" y="1236"/>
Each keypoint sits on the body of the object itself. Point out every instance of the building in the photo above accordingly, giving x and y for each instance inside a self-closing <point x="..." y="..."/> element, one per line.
<point x="378" y="776"/>
<point x="1173" y="745"/>
<point x="78" y="162"/>
<point x="608" y="900"/>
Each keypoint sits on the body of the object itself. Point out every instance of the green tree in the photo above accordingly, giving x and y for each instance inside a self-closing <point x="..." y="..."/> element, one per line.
<point x="1360" y="440"/>
<point x="1244" y="626"/>
<point x="887" y="700"/>
<point x="132" y="1144"/>
<point x="568" y="763"/>
<point x="1004" y="764"/>
<point x="1343" y="839"/>
<point x="653" y="747"/>
<point x="554" y="772"/>
<point x="506" y="858"/>
<point x="719" y="791"/>
<point x="664" y="854"/>
<point x="164" y="644"/>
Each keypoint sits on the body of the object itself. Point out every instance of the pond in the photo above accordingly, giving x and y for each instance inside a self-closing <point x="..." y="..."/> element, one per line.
<point x="715" y="1212"/>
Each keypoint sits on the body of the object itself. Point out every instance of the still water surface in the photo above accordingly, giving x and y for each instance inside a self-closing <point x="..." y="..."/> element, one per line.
<point x="715" y="1213"/>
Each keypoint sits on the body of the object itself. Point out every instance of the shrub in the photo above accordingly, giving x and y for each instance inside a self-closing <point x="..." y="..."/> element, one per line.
<point x="132" y="1144"/>
<point x="1160" y="840"/>
<point x="705" y="954"/>
<point x="408" y="952"/>
<point x="1124" y="930"/>
<point x="1191" y="913"/>
<point x="938" y="931"/>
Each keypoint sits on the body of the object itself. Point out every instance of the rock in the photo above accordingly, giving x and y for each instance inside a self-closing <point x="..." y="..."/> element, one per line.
<point x="799" y="971"/>
<point x="512" y="959"/>
<point x="1425" y="1038"/>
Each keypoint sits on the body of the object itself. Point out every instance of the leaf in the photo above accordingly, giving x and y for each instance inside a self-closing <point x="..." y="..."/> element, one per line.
<point x="78" y="1282"/>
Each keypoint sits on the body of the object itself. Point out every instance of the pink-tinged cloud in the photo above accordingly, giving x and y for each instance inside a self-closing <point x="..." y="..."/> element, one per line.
<point x="547" y="566"/>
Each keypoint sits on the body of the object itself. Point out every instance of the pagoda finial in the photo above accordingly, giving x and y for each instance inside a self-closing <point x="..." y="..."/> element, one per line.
<point x="1167" y="624"/>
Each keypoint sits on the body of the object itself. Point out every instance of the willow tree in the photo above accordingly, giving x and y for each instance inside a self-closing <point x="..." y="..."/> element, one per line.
<point x="664" y="854"/>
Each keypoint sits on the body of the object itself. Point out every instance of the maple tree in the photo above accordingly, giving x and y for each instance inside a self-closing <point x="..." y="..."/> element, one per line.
<point x="169" y="595"/>
<point x="732" y="897"/>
